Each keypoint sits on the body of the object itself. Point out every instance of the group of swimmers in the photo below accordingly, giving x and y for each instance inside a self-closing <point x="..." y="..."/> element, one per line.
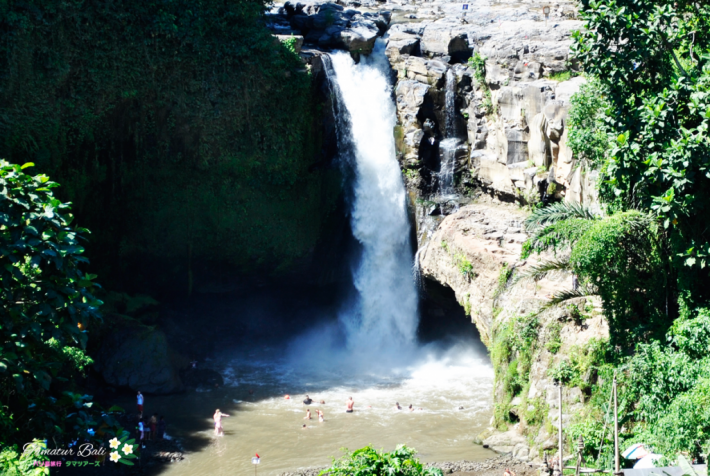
<point x="397" y="406"/>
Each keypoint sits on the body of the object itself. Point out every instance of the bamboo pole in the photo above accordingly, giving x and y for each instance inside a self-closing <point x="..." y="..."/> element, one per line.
<point x="616" y="432"/>
<point x="559" y="392"/>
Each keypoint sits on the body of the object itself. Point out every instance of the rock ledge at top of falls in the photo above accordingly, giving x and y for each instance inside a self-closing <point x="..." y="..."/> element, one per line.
<point x="329" y="25"/>
<point x="516" y="144"/>
<point x="489" y="235"/>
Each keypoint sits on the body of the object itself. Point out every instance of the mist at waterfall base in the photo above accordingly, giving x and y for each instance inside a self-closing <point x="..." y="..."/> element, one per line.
<point x="368" y="348"/>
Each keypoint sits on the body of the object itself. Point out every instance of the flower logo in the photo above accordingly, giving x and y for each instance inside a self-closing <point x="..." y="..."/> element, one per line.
<point x="127" y="449"/>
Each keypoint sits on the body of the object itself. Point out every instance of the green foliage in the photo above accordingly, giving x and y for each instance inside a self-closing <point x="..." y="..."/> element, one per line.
<point x="181" y="130"/>
<point x="411" y="174"/>
<point x="558" y="236"/>
<point x="74" y="357"/>
<point x="506" y="272"/>
<point x="651" y="57"/>
<point x="563" y="372"/>
<point x="465" y="266"/>
<point x="562" y="76"/>
<point x="536" y="412"/>
<point x="559" y="211"/>
<point x="586" y="131"/>
<point x="368" y="461"/>
<point x="512" y="355"/>
<point x="663" y="397"/>
<point x="14" y="462"/>
<point x="620" y="256"/>
<point x="554" y="342"/>
<point x="46" y="300"/>
<point x="477" y="63"/>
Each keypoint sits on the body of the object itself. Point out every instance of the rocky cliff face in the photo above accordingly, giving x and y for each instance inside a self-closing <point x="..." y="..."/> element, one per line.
<point x="509" y="112"/>
<point x="497" y="124"/>
<point x="476" y="252"/>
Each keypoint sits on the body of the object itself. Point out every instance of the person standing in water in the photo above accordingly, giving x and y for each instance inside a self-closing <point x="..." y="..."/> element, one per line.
<point x="218" y="430"/>
<point x="308" y="415"/>
<point x="396" y="406"/>
<point x="321" y="417"/>
<point x="349" y="405"/>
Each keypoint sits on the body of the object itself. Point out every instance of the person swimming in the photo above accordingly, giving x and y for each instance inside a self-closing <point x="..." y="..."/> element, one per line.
<point x="396" y="406"/>
<point x="349" y="404"/>
<point x="411" y="408"/>
<point x="307" y="400"/>
<point x="308" y="415"/>
<point x="321" y="416"/>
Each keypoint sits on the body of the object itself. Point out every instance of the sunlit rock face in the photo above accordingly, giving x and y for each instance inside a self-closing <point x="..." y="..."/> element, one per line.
<point x="469" y="252"/>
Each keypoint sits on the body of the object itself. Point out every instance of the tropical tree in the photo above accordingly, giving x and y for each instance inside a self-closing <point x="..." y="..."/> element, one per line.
<point x="47" y="302"/>
<point x="652" y="59"/>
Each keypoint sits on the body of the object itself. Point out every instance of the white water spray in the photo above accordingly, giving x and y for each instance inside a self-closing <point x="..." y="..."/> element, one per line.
<point x="385" y="317"/>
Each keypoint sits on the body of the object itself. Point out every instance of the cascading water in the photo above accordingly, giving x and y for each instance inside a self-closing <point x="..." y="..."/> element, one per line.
<point x="385" y="315"/>
<point x="450" y="103"/>
<point x="449" y="144"/>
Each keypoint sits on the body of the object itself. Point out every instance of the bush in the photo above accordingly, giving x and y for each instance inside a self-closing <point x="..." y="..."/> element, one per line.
<point x="368" y="461"/>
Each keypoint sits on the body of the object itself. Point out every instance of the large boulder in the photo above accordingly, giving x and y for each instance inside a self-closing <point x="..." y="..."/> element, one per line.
<point x="139" y="357"/>
<point x="360" y="37"/>
<point x="442" y="40"/>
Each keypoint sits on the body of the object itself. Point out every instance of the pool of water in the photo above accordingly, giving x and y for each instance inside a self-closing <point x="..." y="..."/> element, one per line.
<point x="450" y="388"/>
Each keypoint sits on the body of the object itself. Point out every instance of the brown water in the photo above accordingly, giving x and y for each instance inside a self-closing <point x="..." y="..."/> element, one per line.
<point x="268" y="424"/>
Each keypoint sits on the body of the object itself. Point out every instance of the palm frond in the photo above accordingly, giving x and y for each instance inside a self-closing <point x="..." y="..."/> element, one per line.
<point x="556" y="236"/>
<point x="557" y="212"/>
<point x="541" y="270"/>
<point x="567" y="295"/>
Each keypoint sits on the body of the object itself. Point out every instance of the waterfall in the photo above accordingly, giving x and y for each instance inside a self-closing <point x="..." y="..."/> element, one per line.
<point x="449" y="144"/>
<point x="450" y="103"/>
<point x="385" y="314"/>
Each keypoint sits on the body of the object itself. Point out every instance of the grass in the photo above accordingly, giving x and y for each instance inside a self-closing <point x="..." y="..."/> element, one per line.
<point x="562" y="76"/>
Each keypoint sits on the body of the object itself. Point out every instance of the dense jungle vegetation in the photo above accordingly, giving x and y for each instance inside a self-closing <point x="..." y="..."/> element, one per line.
<point x="183" y="135"/>
<point x="180" y="130"/>
<point x="642" y="120"/>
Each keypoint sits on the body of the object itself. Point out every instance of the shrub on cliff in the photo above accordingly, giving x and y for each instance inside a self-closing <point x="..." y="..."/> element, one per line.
<point x="47" y="303"/>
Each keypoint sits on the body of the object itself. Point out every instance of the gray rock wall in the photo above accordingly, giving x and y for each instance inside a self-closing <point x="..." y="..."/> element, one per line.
<point x="488" y="235"/>
<point x="517" y="144"/>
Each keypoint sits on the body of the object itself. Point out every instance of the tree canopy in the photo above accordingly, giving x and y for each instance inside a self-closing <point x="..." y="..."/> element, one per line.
<point x="47" y="301"/>
<point x="652" y="61"/>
